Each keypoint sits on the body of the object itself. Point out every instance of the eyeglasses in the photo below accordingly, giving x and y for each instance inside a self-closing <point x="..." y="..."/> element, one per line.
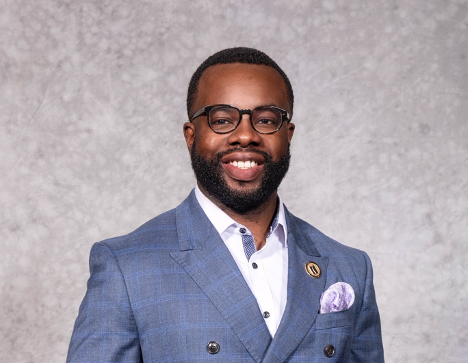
<point x="225" y="118"/>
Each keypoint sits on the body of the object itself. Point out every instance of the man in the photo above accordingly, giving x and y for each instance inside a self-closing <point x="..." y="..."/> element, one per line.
<point x="230" y="275"/>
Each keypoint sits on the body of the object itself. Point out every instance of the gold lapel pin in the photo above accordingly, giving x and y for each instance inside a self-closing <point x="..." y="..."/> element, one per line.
<point x="313" y="269"/>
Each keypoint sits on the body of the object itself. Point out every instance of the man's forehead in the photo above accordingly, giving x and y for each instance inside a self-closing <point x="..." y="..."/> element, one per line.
<point x="224" y="82"/>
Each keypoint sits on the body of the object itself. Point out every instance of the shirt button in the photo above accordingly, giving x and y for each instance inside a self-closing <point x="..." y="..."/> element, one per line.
<point x="242" y="230"/>
<point x="266" y="314"/>
<point x="254" y="265"/>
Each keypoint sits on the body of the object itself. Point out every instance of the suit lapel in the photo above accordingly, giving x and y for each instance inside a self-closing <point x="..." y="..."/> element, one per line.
<point x="303" y="301"/>
<point x="205" y="257"/>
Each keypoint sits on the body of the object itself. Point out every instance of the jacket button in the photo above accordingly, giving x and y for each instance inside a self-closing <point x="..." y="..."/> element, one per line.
<point x="212" y="347"/>
<point x="329" y="350"/>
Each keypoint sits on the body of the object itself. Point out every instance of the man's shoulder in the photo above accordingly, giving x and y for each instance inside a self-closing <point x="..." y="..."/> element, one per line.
<point x="323" y="243"/>
<point x="160" y="231"/>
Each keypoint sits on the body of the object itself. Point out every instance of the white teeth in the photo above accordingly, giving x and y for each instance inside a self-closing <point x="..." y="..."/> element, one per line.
<point x="244" y="164"/>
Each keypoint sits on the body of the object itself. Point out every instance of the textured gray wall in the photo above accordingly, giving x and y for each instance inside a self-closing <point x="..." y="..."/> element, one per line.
<point x="91" y="112"/>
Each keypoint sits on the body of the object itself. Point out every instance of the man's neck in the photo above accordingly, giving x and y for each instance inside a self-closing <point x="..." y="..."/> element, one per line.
<point x="258" y="220"/>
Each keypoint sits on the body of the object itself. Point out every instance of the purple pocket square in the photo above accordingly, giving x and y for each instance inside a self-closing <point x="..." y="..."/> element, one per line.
<point x="338" y="297"/>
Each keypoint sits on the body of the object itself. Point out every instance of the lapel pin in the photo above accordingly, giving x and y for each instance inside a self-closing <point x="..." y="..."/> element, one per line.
<point x="313" y="269"/>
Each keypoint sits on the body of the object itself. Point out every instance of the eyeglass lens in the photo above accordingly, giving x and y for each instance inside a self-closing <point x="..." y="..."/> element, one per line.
<point x="225" y="119"/>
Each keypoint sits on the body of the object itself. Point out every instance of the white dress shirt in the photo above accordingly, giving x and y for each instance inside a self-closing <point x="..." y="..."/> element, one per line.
<point x="266" y="273"/>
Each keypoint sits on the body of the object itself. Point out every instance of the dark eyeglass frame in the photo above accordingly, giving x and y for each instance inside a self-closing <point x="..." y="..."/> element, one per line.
<point x="205" y="111"/>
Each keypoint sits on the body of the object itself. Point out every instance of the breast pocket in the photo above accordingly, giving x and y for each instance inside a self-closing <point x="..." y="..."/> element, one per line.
<point x="335" y="320"/>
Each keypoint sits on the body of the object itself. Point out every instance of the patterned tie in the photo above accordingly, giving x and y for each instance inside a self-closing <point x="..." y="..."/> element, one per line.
<point x="248" y="243"/>
<point x="248" y="240"/>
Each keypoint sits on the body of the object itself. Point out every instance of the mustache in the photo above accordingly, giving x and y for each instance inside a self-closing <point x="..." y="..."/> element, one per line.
<point x="218" y="156"/>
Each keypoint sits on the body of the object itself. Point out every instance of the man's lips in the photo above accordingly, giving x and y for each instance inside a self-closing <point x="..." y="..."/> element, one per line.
<point x="243" y="166"/>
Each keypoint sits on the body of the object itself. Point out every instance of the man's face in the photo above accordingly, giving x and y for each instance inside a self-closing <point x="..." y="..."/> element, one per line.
<point x="217" y="158"/>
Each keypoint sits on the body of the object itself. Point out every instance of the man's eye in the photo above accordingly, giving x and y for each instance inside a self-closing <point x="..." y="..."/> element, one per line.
<point x="221" y="122"/>
<point x="264" y="121"/>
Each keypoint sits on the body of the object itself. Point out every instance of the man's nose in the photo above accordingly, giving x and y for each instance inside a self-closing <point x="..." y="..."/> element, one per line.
<point x="244" y="135"/>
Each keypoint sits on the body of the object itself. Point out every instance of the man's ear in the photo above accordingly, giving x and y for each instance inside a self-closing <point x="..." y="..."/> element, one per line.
<point x="189" y="134"/>
<point x="291" y="128"/>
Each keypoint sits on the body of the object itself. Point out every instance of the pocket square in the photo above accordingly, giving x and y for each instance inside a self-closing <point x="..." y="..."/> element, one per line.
<point x="338" y="297"/>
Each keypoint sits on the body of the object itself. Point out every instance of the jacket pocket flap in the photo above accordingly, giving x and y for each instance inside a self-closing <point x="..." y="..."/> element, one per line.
<point x="334" y="320"/>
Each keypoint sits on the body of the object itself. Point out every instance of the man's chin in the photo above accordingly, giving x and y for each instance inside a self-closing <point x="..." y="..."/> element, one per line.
<point x="243" y="186"/>
<point x="234" y="190"/>
<point x="238" y="196"/>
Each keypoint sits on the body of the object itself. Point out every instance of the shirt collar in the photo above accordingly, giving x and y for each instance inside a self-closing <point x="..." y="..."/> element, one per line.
<point x="221" y="221"/>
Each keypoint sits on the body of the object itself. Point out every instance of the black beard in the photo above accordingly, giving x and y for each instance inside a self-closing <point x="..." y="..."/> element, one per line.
<point x="209" y="173"/>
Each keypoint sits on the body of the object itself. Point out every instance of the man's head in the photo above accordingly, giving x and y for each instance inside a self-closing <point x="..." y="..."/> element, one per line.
<point x="230" y="56"/>
<point x="241" y="168"/>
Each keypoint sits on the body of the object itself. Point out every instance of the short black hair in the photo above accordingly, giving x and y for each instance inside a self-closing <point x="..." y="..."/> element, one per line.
<point x="235" y="55"/>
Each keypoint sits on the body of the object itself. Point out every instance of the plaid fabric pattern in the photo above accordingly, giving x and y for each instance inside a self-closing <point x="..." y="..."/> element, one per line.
<point x="163" y="292"/>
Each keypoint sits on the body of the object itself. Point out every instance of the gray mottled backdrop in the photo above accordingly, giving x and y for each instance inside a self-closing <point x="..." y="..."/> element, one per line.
<point x="91" y="111"/>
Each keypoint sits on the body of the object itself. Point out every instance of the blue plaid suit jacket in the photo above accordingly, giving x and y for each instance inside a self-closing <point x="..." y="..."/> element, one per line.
<point x="164" y="291"/>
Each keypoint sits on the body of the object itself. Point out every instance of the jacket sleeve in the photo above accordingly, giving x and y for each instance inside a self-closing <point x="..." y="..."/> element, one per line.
<point x="105" y="329"/>
<point x="367" y="343"/>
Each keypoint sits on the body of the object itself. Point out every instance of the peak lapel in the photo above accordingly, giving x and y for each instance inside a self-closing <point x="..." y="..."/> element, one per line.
<point x="304" y="291"/>
<point x="205" y="257"/>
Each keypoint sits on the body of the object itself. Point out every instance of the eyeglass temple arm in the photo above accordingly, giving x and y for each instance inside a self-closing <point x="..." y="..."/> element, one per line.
<point x="198" y="113"/>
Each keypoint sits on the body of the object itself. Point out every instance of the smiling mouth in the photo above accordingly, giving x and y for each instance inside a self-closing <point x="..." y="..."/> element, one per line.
<point x="247" y="164"/>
